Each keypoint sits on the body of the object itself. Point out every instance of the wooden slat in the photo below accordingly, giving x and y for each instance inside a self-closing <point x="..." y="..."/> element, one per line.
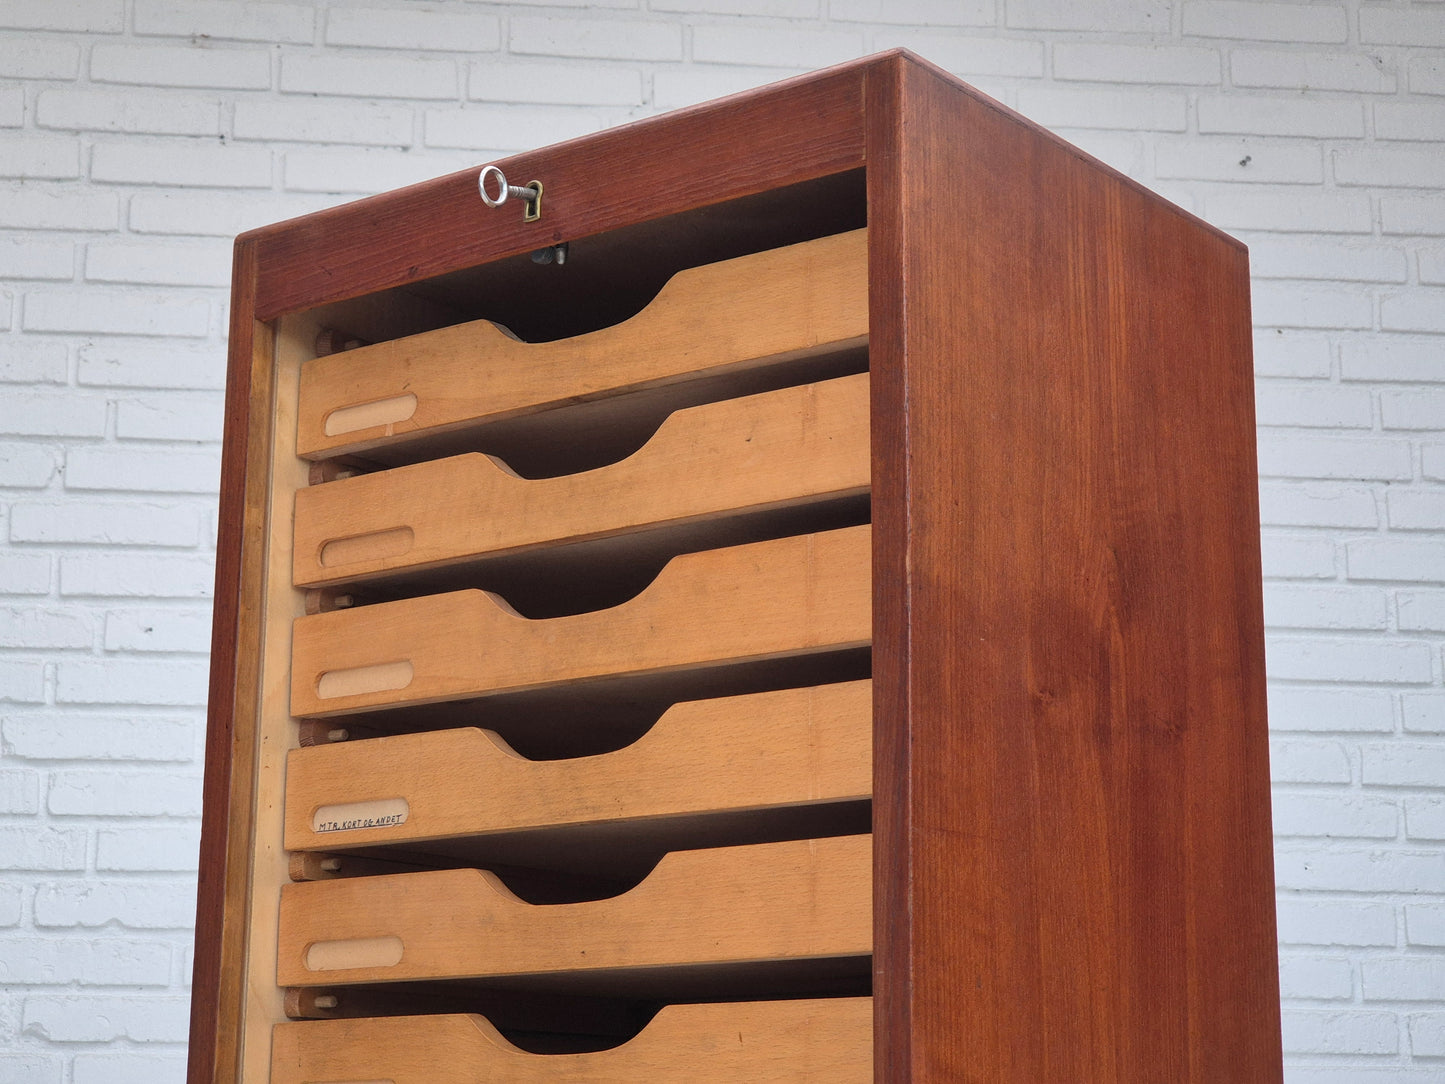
<point x="788" y="596"/>
<point x="811" y="1041"/>
<point x="806" y="899"/>
<point x="755" y="310"/>
<point x="764" y="751"/>
<point x="774" y="450"/>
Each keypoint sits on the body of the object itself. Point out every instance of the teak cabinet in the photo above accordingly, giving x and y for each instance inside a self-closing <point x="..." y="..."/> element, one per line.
<point x="813" y="633"/>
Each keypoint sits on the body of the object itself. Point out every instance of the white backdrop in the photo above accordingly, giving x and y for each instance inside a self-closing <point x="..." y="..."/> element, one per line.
<point x="137" y="136"/>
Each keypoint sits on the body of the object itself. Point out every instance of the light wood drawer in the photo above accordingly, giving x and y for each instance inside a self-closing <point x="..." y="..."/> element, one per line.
<point x="784" y="597"/>
<point x="756" y="310"/>
<point x="812" y="1041"/>
<point x="766" y="751"/>
<point x="770" y="451"/>
<point x="799" y="900"/>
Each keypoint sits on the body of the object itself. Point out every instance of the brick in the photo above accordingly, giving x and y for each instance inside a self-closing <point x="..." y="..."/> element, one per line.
<point x="1293" y="504"/>
<point x="1295" y="557"/>
<point x="1395" y="559"/>
<point x="1403" y="764"/>
<point x="226" y="20"/>
<point x="1318" y="408"/>
<point x="1408" y="167"/>
<point x="12" y="910"/>
<point x="1364" y="661"/>
<point x="1147" y="110"/>
<point x="1327" y="922"/>
<point x="466" y="31"/>
<point x="1432" y="461"/>
<point x="1387" y="358"/>
<point x="1417" y="510"/>
<point x="1273" y="256"/>
<point x="52" y="414"/>
<point x="116" y="312"/>
<point x="1427" y="1035"/>
<point x="1418" y="27"/>
<point x="1334" y="816"/>
<point x="1344" y="869"/>
<point x="31" y="847"/>
<point x="1106" y="63"/>
<point x="100" y="962"/>
<point x="39" y="157"/>
<point x="509" y="127"/>
<point x="325" y="122"/>
<point x="36" y="628"/>
<point x="1316" y="978"/>
<point x="34" y="259"/>
<point x="611" y="39"/>
<point x="133" y="523"/>
<point x="1252" y="19"/>
<point x="196" y="263"/>
<point x="126" y="111"/>
<point x="914" y="12"/>
<point x="1310" y="71"/>
<point x="12" y="107"/>
<point x="1403" y="979"/>
<point x="140" y="575"/>
<point x="1432" y="265"/>
<point x="92" y="17"/>
<point x="1250" y="160"/>
<point x="675" y="87"/>
<point x="1354" y="1074"/>
<point x="169" y="850"/>
<point x="1425" y="925"/>
<point x="19" y="793"/>
<point x="150" y="682"/>
<point x="57" y="735"/>
<point x="127" y="469"/>
<point x="365" y="171"/>
<point x="1308" y="762"/>
<point x="102" y="1019"/>
<point x="1299" y="606"/>
<point x="369" y="77"/>
<point x="1425" y="818"/>
<point x="1291" y="212"/>
<point x="554" y="84"/>
<point x="1347" y="1032"/>
<point x="187" y="631"/>
<point x="1326" y="710"/>
<point x="1415" y="409"/>
<point x="1292" y="455"/>
<point x="123" y="794"/>
<point x="188" y="165"/>
<point x="1427" y="75"/>
<point x="1424" y="712"/>
<point x="1239" y="114"/>
<point x="1421" y="309"/>
<point x="147" y="905"/>
<point x="152" y="365"/>
<point x="970" y="57"/>
<point x="32" y="361"/>
<point x="34" y="58"/>
<point x="181" y="66"/>
<point x="779" y="47"/>
<point x="175" y="417"/>
<point x="1294" y="353"/>
<point x="1421" y="611"/>
<point x="31" y="1068"/>
<point x="38" y="209"/>
<point x="1409" y="121"/>
<point x="129" y="1068"/>
<point x="782" y="9"/>
<point x="27" y="466"/>
<point x="1119" y="16"/>
<point x="24" y="574"/>
<point x="206" y="216"/>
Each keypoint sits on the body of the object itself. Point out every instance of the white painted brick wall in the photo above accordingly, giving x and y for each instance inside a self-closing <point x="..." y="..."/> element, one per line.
<point x="138" y="136"/>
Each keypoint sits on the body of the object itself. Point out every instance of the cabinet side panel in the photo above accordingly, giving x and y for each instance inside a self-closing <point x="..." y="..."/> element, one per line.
<point x="1088" y="883"/>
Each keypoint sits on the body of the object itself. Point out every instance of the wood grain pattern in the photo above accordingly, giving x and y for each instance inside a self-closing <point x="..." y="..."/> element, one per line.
<point x="766" y="308"/>
<point x="808" y="1041"/>
<point x="776" y="901"/>
<point x="1069" y="673"/>
<point x="788" y="596"/>
<point x="778" y="449"/>
<point x="767" y="750"/>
